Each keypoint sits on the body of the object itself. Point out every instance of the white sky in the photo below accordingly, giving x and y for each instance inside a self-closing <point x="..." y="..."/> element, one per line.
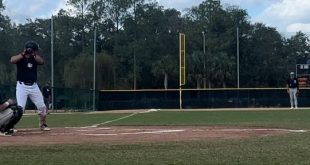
<point x="286" y="15"/>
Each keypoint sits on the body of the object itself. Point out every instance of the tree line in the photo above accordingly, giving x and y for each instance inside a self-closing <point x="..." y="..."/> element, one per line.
<point x="137" y="46"/>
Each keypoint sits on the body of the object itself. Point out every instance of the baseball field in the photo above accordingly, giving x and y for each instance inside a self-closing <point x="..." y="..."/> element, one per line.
<point x="162" y="137"/>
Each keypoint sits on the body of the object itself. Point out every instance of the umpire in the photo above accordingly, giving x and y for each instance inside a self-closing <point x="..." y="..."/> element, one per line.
<point x="47" y="92"/>
<point x="293" y="90"/>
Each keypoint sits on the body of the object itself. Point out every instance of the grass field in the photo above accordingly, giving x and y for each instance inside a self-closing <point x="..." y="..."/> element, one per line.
<point x="291" y="148"/>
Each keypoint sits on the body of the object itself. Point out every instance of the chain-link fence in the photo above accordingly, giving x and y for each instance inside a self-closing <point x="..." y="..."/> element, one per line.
<point x="82" y="99"/>
<point x="73" y="99"/>
<point x="64" y="98"/>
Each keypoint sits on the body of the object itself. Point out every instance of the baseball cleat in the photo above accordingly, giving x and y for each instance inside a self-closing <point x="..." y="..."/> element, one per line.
<point x="44" y="127"/>
<point x="8" y="133"/>
<point x="14" y="130"/>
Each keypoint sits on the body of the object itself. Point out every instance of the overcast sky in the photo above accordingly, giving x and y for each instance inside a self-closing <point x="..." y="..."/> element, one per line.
<point x="285" y="15"/>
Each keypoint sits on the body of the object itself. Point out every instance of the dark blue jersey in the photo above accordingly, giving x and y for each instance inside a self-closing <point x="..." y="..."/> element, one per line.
<point x="292" y="83"/>
<point x="27" y="70"/>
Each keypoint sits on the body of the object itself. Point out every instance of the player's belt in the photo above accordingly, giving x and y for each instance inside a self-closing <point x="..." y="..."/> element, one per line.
<point x="25" y="83"/>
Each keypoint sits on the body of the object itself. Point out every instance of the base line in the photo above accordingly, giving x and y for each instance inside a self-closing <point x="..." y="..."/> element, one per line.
<point x="118" y="119"/>
<point x="111" y="121"/>
<point x="121" y="118"/>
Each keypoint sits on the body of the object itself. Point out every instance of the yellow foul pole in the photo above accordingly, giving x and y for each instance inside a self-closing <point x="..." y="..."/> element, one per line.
<point x="181" y="64"/>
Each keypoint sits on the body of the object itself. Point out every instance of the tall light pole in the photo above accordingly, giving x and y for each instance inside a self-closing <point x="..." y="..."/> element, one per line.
<point x="52" y="62"/>
<point x="134" y="50"/>
<point x="94" y="69"/>
<point x="238" y="71"/>
<point x="204" y="60"/>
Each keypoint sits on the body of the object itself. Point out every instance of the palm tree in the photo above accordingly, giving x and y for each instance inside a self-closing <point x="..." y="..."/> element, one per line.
<point x="223" y="68"/>
<point x="164" y="67"/>
<point x="194" y="67"/>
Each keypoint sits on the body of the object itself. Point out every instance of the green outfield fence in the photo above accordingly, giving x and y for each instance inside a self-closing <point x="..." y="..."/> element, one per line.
<point x="82" y="99"/>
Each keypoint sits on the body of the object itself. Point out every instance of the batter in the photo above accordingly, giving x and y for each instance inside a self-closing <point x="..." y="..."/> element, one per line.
<point x="27" y="86"/>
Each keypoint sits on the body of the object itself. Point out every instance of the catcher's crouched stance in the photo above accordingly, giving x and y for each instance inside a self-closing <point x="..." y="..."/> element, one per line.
<point x="10" y="114"/>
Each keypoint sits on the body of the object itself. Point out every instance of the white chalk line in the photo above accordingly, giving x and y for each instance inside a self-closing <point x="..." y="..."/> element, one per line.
<point x="118" y="119"/>
<point x="174" y="131"/>
<point x="153" y="132"/>
<point x="252" y="129"/>
<point x="95" y="127"/>
<point x="106" y="122"/>
<point x="100" y="134"/>
<point x="298" y="131"/>
<point x="56" y="134"/>
<point x="136" y="133"/>
<point x="115" y="120"/>
<point x="121" y="118"/>
<point x="163" y="131"/>
<point x="284" y="130"/>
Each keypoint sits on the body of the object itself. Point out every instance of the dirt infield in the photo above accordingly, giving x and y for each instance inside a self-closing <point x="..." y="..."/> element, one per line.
<point x="135" y="134"/>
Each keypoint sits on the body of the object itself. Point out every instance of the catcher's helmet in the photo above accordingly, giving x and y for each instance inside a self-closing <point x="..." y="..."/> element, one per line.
<point x="32" y="45"/>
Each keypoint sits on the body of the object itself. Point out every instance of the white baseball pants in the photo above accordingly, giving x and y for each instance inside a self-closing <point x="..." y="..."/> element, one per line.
<point x="293" y="97"/>
<point x="33" y="92"/>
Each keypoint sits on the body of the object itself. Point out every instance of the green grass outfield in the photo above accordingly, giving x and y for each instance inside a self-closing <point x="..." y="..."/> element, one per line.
<point x="292" y="148"/>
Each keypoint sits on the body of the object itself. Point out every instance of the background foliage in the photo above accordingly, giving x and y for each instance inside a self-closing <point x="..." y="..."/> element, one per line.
<point x="137" y="46"/>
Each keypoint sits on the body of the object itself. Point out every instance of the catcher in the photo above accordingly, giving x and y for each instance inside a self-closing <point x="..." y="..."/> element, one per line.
<point x="10" y="114"/>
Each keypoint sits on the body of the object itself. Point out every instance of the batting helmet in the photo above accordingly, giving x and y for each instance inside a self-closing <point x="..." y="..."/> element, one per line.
<point x="32" y="45"/>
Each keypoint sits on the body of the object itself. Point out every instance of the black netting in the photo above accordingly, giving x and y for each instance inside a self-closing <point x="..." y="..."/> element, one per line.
<point x="228" y="98"/>
<point x="82" y="99"/>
